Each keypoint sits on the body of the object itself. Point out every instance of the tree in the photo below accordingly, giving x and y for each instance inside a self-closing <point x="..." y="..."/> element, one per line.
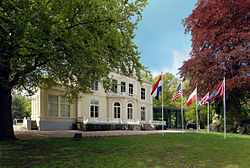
<point x="66" y="43"/>
<point x="17" y="107"/>
<point x="220" y="48"/>
<point x="20" y="107"/>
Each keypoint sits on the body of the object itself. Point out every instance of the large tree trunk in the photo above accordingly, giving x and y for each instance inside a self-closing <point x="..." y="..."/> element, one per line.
<point x="6" y="124"/>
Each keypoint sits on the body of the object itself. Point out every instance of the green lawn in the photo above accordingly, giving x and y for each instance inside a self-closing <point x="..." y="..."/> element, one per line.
<point x="171" y="150"/>
<point x="19" y="123"/>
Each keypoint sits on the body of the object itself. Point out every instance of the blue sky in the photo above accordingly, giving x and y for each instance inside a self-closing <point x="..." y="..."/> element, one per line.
<point x="160" y="35"/>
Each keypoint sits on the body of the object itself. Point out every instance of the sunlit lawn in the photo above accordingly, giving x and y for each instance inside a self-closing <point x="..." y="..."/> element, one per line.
<point x="171" y="150"/>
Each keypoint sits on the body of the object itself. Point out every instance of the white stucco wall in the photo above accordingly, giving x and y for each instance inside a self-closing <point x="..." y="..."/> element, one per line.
<point x="80" y="111"/>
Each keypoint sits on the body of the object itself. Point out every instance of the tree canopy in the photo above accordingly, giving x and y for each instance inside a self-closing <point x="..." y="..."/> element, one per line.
<point x="70" y="43"/>
<point x="220" y="48"/>
<point x="20" y="107"/>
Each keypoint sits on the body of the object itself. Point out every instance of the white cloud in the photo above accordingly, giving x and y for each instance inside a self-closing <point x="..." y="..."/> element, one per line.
<point x="178" y="59"/>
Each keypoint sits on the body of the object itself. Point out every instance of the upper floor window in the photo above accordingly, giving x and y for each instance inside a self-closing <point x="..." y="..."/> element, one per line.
<point x="117" y="110"/>
<point x="114" y="86"/>
<point x="143" y="113"/>
<point x="130" y="111"/>
<point x="52" y="105"/>
<point x="94" y="108"/>
<point x="95" y="86"/>
<point x="131" y="90"/>
<point x="65" y="107"/>
<point x="123" y="87"/>
<point x="143" y="93"/>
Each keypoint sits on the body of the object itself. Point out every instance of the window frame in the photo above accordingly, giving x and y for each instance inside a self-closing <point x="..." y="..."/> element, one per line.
<point x="143" y="94"/>
<point x="114" y="86"/>
<point x="117" y="110"/>
<point x="95" y="105"/>
<point x="131" y="89"/>
<point x="53" y="114"/>
<point x="143" y="110"/>
<point x="95" y="86"/>
<point x="66" y="104"/>
<point x="130" y="111"/>
<point x="123" y="87"/>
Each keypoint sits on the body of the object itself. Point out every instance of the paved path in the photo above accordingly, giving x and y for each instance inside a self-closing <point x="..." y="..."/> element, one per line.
<point x="23" y="134"/>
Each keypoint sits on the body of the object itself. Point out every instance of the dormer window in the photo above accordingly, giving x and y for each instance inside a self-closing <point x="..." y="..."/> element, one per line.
<point x="94" y="86"/>
<point x="123" y="87"/>
<point x="114" y="86"/>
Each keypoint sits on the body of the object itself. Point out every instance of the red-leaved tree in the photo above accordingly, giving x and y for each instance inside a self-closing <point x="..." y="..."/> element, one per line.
<point x="220" y="48"/>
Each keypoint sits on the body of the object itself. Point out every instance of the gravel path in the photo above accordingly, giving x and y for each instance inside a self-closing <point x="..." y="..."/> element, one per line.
<point x="23" y="134"/>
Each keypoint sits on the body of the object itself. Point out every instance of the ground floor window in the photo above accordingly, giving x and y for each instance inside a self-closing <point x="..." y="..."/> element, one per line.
<point x="65" y="107"/>
<point x="52" y="105"/>
<point x="130" y="111"/>
<point x="58" y="106"/>
<point x="117" y="110"/>
<point x="143" y="113"/>
<point x="94" y="108"/>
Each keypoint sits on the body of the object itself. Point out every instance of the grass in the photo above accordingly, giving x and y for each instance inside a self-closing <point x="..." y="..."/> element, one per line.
<point x="171" y="150"/>
<point x="19" y="123"/>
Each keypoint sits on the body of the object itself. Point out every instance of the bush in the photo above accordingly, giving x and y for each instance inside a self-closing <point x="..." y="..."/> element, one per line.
<point x="243" y="128"/>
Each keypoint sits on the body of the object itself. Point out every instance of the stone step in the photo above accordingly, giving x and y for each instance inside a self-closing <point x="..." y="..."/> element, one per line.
<point x="33" y="125"/>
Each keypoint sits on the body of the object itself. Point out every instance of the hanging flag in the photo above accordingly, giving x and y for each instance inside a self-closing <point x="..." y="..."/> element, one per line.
<point x="199" y="103"/>
<point x="157" y="88"/>
<point x="192" y="97"/>
<point x="218" y="92"/>
<point x="204" y="100"/>
<point x="177" y="92"/>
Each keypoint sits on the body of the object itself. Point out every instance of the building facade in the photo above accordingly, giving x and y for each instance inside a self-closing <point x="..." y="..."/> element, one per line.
<point x="127" y="106"/>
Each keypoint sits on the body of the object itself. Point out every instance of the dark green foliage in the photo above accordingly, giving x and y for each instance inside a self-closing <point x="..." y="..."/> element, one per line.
<point x="68" y="42"/>
<point x="243" y="127"/>
<point x="64" y="43"/>
<point x="20" y="107"/>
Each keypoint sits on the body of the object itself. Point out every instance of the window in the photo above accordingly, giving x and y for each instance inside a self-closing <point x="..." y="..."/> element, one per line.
<point x="52" y="105"/>
<point x="123" y="87"/>
<point x="65" y="107"/>
<point x="58" y="106"/>
<point x="130" y="111"/>
<point x="143" y="113"/>
<point x="94" y="108"/>
<point x="143" y="93"/>
<point x="114" y="86"/>
<point x="94" y="86"/>
<point x="130" y="89"/>
<point x="117" y="110"/>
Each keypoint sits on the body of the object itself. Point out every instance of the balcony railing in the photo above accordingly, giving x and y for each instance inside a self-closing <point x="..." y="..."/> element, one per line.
<point x="109" y="121"/>
<point x="119" y="121"/>
<point x="154" y="122"/>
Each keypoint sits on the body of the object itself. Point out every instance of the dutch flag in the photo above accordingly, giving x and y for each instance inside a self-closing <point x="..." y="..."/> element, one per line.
<point x="157" y="88"/>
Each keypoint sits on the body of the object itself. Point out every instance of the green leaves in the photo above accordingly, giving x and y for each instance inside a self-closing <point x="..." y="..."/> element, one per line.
<point x="70" y="42"/>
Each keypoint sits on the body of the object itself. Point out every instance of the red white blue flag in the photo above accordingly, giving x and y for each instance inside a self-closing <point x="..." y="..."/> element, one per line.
<point x="204" y="100"/>
<point x="218" y="92"/>
<point x="177" y="92"/>
<point x="157" y="88"/>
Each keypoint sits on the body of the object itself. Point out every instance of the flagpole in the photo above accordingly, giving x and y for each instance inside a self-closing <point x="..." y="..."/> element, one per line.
<point x="196" y="113"/>
<point x="182" y="116"/>
<point x="224" y="101"/>
<point x="162" y="105"/>
<point x="208" y="114"/>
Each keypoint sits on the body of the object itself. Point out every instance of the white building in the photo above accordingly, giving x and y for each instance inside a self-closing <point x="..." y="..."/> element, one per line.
<point x="128" y="106"/>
